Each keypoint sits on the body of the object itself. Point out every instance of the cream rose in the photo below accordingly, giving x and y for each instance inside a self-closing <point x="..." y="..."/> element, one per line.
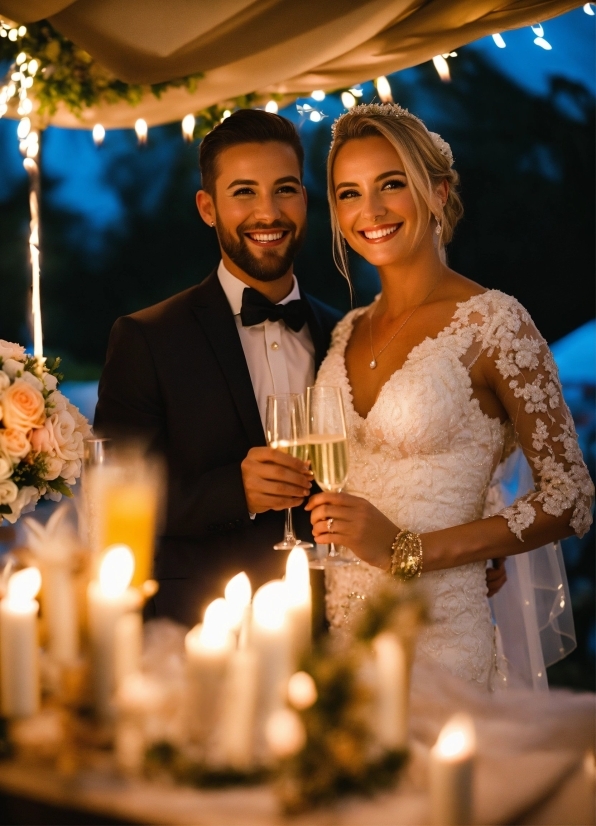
<point x="8" y="492"/>
<point x="24" y="502"/>
<point x="6" y="466"/>
<point x="14" y="442"/>
<point x="41" y="440"/>
<point x="10" y="350"/>
<point x="4" y="381"/>
<point x="23" y="406"/>
<point x="54" y="467"/>
<point x="66" y="441"/>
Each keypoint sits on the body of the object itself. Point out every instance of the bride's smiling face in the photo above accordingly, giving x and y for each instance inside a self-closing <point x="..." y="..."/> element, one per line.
<point x="376" y="210"/>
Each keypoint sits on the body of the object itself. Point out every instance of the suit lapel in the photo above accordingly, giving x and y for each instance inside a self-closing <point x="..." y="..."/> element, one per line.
<point x="213" y="312"/>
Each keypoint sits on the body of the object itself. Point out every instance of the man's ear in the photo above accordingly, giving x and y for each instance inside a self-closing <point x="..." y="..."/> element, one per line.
<point x="305" y="193"/>
<point x="206" y="207"/>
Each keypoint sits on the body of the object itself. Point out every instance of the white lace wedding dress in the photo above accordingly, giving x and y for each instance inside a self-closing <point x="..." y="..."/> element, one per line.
<point x="425" y="455"/>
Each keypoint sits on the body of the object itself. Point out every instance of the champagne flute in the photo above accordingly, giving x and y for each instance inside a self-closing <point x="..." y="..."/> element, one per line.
<point x="285" y="428"/>
<point x="328" y="446"/>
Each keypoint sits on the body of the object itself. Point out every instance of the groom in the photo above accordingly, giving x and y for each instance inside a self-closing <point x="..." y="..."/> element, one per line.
<point x="190" y="376"/>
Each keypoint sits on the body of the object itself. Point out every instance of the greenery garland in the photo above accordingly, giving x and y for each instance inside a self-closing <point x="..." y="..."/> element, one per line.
<point x="69" y="75"/>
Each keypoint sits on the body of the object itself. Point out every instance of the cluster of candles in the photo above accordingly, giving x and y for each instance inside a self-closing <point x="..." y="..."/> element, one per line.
<point x="241" y="669"/>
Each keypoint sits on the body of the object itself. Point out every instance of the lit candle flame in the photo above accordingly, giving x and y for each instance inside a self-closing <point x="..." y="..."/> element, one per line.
<point x="442" y="68"/>
<point x="141" y="129"/>
<point x="384" y="89"/>
<point x="99" y="134"/>
<point x="116" y="570"/>
<point x="188" y="127"/>
<point x="238" y="593"/>
<point x="457" y="740"/>
<point x="215" y="630"/>
<point x="23" y="587"/>
<point x="269" y="605"/>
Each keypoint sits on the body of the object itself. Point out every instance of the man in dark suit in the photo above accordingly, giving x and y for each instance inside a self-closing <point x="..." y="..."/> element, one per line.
<point x="190" y="375"/>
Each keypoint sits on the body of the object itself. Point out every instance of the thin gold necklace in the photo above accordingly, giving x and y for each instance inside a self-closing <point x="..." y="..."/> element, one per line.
<point x="374" y="359"/>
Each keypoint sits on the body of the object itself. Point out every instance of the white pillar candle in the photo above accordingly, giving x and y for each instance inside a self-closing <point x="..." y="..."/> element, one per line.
<point x="271" y="640"/>
<point x="128" y="645"/>
<point x="208" y="649"/>
<point x="19" y="652"/>
<point x="108" y="599"/>
<point x="237" y="726"/>
<point x="451" y="773"/>
<point x="392" y="691"/>
<point x="299" y="614"/>
<point x="60" y="611"/>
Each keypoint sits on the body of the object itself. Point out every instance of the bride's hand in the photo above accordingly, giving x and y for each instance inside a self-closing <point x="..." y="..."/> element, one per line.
<point x="352" y="521"/>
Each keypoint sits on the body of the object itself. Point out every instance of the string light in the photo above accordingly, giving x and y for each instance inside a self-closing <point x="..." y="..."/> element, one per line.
<point x="188" y="127"/>
<point x="384" y="89"/>
<point x="588" y="9"/>
<point x="442" y="68"/>
<point x="99" y="134"/>
<point x="499" y="41"/>
<point x="357" y="91"/>
<point x="271" y="106"/>
<point x="348" y="100"/>
<point x="316" y="116"/>
<point x="225" y="115"/>
<point x="318" y="95"/>
<point x="141" y="129"/>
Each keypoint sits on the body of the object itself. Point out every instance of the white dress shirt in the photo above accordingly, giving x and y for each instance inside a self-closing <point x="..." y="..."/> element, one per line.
<point x="279" y="360"/>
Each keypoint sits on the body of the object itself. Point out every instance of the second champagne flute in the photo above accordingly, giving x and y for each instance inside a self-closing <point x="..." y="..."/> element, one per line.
<point x="328" y="446"/>
<point x="285" y="428"/>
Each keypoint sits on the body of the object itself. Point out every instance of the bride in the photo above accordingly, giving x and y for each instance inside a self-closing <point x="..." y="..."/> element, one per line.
<point x="442" y="380"/>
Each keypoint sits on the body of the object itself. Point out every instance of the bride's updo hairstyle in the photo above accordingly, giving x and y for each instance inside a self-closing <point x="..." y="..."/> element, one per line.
<point x="427" y="161"/>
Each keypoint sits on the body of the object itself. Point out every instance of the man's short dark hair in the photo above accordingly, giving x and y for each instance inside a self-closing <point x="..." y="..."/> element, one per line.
<point x="245" y="126"/>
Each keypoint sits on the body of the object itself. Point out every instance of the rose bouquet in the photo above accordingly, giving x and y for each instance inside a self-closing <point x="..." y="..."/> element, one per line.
<point x="41" y="433"/>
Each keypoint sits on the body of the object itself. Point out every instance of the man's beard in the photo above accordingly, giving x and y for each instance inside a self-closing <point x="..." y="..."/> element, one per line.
<point x="271" y="265"/>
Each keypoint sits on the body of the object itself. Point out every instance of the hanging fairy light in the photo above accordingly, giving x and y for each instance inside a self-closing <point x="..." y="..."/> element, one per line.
<point x="498" y="38"/>
<point x="348" y="100"/>
<point x="305" y="110"/>
<point x="98" y="132"/>
<point x="588" y="9"/>
<point x="188" y="127"/>
<point x="540" y="40"/>
<point x="442" y="67"/>
<point x="318" y="95"/>
<point x="357" y="91"/>
<point x="272" y="107"/>
<point x="384" y="89"/>
<point x="225" y="115"/>
<point x="141" y="129"/>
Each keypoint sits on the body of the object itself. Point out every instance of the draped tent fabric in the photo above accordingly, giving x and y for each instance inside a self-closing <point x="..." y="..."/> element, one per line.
<point x="267" y="46"/>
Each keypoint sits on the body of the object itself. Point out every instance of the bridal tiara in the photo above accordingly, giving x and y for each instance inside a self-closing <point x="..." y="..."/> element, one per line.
<point x="396" y="111"/>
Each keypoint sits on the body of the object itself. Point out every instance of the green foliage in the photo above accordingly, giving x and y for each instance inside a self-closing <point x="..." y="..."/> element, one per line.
<point x="163" y="758"/>
<point x="31" y="471"/>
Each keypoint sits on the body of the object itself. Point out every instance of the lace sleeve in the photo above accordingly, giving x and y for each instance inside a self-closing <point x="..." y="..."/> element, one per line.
<point x="526" y="380"/>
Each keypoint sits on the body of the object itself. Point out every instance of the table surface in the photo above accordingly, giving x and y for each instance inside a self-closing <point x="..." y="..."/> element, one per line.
<point x="564" y="798"/>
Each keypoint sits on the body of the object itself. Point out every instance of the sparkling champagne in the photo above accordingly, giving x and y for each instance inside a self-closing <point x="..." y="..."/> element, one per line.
<point x="329" y="457"/>
<point x="298" y="448"/>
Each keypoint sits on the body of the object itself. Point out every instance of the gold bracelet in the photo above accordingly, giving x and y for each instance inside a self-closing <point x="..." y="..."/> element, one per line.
<point x="406" y="556"/>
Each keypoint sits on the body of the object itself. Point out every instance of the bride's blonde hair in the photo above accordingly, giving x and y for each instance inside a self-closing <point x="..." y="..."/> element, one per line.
<point x="427" y="161"/>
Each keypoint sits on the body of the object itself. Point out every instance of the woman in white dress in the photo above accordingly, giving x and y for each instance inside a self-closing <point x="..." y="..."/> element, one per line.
<point x="441" y="381"/>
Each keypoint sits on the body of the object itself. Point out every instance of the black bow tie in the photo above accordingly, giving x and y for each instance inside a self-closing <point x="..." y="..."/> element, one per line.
<point x="256" y="308"/>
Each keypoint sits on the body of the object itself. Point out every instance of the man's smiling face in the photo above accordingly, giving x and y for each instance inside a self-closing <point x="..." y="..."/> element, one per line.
<point x="259" y="208"/>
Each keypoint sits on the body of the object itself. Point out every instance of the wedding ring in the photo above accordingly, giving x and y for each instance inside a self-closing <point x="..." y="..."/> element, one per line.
<point x="329" y="524"/>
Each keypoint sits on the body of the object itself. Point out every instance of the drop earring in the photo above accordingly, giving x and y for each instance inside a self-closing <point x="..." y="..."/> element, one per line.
<point x="438" y="228"/>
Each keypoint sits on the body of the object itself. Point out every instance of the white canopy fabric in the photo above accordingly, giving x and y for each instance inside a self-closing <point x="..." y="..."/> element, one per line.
<point x="270" y="46"/>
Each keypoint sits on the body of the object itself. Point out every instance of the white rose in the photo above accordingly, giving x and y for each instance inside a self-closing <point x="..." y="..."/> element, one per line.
<point x="24" y="503"/>
<point x="65" y="440"/>
<point x="8" y="492"/>
<point x="32" y="380"/>
<point x="5" y="467"/>
<point x="4" y="381"/>
<point x="57" y="402"/>
<point x="50" y="382"/>
<point x="54" y="467"/>
<point x="12" y="367"/>
<point x="82" y="425"/>
<point x="10" y="350"/>
<point x="71" y="471"/>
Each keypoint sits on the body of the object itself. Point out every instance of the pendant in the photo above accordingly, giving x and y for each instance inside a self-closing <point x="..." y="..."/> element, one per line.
<point x="373" y="364"/>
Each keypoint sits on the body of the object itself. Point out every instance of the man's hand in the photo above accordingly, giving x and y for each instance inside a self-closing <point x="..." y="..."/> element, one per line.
<point x="496" y="576"/>
<point x="273" y="480"/>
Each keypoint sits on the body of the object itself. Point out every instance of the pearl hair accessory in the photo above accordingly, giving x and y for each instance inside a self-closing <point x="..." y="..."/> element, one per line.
<point x="396" y="111"/>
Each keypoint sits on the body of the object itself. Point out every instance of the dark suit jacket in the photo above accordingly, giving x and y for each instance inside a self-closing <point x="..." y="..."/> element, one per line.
<point x="176" y="377"/>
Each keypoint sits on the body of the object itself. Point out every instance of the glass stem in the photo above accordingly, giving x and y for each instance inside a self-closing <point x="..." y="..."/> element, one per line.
<point x="290" y="536"/>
